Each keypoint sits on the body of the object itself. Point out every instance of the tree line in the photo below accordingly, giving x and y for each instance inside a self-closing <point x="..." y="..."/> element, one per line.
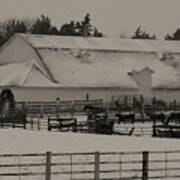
<point x="84" y="27"/>
<point x="142" y="34"/>
<point x="43" y="25"/>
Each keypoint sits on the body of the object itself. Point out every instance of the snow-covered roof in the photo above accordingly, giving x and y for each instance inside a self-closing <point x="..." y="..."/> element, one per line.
<point x="70" y="71"/>
<point x="116" y="44"/>
<point x="24" y="74"/>
<point x="104" y="70"/>
<point x="77" y="62"/>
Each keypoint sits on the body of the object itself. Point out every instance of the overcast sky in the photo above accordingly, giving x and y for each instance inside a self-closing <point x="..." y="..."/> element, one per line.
<point x="112" y="17"/>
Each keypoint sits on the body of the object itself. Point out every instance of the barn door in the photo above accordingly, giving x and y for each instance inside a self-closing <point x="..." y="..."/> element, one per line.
<point x="6" y="101"/>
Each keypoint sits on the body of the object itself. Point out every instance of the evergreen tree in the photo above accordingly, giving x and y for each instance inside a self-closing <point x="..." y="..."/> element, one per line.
<point x="54" y="31"/>
<point x="68" y="29"/>
<point x="42" y="25"/>
<point x="175" y="36"/>
<point x="11" y="26"/>
<point x="141" y="34"/>
<point x="86" y="27"/>
<point x="80" y="28"/>
<point x="96" y="33"/>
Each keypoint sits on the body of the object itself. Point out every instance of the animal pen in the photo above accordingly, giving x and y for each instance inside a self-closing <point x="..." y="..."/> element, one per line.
<point x="64" y="115"/>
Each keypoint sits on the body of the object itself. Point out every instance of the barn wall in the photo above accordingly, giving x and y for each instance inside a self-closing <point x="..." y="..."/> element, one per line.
<point x="168" y="95"/>
<point x="50" y="94"/>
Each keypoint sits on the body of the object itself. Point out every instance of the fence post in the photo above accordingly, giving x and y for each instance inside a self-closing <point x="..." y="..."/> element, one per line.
<point x="142" y="107"/>
<point x="49" y="127"/>
<point x="174" y="105"/>
<point x="134" y="104"/>
<point x="72" y="109"/>
<point x="154" y="128"/>
<point x="24" y="120"/>
<point x="31" y="122"/>
<point x="2" y="119"/>
<point x="145" y="165"/>
<point x="41" y="110"/>
<point x="154" y="103"/>
<point x="57" y="105"/>
<point x="97" y="164"/>
<point x="87" y="97"/>
<point x="48" y="166"/>
<point x="39" y="124"/>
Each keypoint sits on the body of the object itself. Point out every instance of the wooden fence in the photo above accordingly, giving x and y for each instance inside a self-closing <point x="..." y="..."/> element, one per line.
<point x="38" y="112"/>
<point x="91" y="166"/>
<point x="137" y="104"/>
<point x="56" y="107"/>
<point x="37" y="123"/>
<point x="141" y="104"/>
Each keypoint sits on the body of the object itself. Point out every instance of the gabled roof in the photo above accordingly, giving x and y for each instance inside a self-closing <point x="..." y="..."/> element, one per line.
<point x="105" y="70"/>
<point x="92" y="43"/>
<point x="70" y="71"/>
<point x="77" y="62"/>
<point x="24" y="74"/>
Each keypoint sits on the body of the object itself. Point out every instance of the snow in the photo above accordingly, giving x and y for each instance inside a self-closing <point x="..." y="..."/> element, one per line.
<point x="37" y="78"/>
<point x="118" y="44"/>
<point x="70" y="71"/>
<point x="14" y="74"/>
<point x="24" y="141"/>
<point x="45" y="41"/>
<point x="107" y="69"/>
<point x="24" y="74"/>
<point x="95" y="70"/>
<point x="83" y="65"/>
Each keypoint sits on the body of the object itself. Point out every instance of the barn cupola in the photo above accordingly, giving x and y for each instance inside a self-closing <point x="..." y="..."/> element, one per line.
<point x="143" y="78"/>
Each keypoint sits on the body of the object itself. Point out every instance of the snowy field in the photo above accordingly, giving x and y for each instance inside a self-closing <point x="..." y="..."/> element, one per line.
<point x="23" y="141"/>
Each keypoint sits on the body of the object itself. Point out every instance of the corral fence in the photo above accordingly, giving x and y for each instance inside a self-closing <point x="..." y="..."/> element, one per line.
<point x="38" y="113"/>
<point x="56" y="107"/>
<point x="91" y="166"/>
<point x="143" y="104"/>
<point x="137" y="104"/>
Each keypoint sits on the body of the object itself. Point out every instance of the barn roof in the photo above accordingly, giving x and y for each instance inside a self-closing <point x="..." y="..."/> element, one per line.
<point x="115" y="44"/>
<point x="26" y="74"/>
<point x="93" y="70"/>
<point x="71" y="71"/>
<point x="77" y="62"/>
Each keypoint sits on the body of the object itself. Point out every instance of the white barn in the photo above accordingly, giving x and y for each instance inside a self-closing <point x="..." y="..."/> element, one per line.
<point x="44" y="67"/>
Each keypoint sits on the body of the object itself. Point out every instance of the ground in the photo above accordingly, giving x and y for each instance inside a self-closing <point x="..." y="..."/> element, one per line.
<point x="23" y="141"/>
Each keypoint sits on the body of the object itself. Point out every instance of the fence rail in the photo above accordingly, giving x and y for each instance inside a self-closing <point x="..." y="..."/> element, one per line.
<point x="94" y="165"/>
<point x="56" y="107"/>
<point x="134" y="103"/>
<point x="37" y="113"/>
